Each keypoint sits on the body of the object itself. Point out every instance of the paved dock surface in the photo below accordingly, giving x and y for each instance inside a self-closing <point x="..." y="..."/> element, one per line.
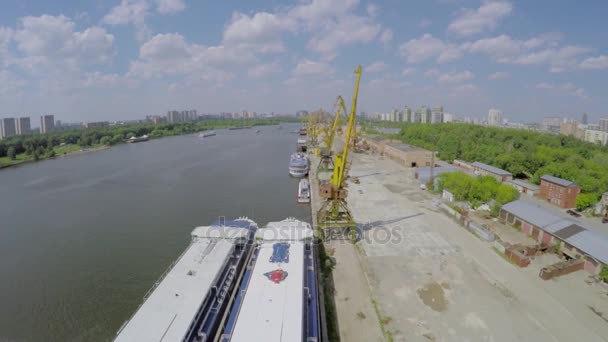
<point x="357" y="318"/>
<point x="434" y="281"/>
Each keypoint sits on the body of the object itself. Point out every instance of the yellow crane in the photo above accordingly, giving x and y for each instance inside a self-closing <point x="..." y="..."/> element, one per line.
<point x="329" y="133"/>
<point x="334" y="212"/>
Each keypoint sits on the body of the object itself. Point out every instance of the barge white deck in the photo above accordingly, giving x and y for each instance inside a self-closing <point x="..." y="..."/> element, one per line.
<point x="272" y="309"/>
<point x="169" y="311"/>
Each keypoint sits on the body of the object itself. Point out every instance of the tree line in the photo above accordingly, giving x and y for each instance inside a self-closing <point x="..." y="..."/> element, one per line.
<point x="526" y="154"/>
<point x="43" y="145"/>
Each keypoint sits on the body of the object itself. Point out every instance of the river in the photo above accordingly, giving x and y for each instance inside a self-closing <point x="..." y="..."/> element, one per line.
<point x="83" y="238"/>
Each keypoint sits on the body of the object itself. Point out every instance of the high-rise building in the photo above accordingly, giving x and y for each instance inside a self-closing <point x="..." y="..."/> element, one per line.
<point x="551" y="124"/>
<point x="603" y="125"/>
<point x="494" y="117"/>
<point x="47" y="123"/>
<point x="437" y="115"/>
<point x="7" y="127"/>
<point x="173" y="116"/>
<point x="584" y="119"/>
<point x="407" y="114"/>
<point x="448" y="117"/>
<point x="424" y="114"/>
<point x="22" y="126"/>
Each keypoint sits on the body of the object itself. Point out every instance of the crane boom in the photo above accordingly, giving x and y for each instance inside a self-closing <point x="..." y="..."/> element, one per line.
<point x="339" y="173"/>
<point x="332" y="134"/>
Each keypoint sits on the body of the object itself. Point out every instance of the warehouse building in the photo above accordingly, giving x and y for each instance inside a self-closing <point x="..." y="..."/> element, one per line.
<point x="575" y="239"/>
<point x="524" y="187"/>
<point x="408" y="155"/>
<point x="376" y="143"/>
<point x="489" y="170"/>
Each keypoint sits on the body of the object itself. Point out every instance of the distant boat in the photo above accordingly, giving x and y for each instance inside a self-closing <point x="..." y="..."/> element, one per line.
<point x="207" y="134"/>
<point x="138" y="139"/>
<point x="258" y="131"/>
<point x="304" y="191"/>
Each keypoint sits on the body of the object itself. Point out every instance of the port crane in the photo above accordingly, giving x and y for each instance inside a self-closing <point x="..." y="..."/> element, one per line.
<point x="329" y="133"/>
<point x="334" y="212"/>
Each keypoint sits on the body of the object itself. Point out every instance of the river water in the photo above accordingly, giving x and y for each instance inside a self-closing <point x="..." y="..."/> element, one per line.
<point x="83" y="238"/>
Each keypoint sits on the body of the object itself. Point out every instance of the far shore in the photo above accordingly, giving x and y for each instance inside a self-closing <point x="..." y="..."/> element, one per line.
<point x="62" y="155"/>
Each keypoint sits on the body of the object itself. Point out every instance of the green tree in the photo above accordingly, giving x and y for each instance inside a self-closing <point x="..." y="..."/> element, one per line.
<point x="505" y="194"/>
<point x="11" y="154"/>
<point x="105" y="140"/>
<point x="585" y="200"/>
<point x="604" y="273"/>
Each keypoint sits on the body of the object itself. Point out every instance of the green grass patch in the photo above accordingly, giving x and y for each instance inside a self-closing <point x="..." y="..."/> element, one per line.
<point x="60" y="150"/>
<point x="20" y="158"/>
<point x="383" y="322"/>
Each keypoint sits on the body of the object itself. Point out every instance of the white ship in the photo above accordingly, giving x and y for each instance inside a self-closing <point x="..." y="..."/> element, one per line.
<point x="304" y="191"/>
<point x="298" y="165"/>
<point x="207" y="134"/>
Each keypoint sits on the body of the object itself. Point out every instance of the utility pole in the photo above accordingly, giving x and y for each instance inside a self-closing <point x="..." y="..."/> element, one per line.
<point x="432" y="181"/>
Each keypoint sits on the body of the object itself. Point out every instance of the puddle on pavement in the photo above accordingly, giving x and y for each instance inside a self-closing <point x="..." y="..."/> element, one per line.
<point x="432" y="295"/>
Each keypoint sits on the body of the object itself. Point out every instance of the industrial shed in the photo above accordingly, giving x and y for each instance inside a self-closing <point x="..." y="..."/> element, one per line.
<point x="576" y="240"/>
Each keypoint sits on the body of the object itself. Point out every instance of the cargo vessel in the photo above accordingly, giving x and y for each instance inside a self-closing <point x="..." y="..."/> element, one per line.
<point x="189" y="301"/>
<point x="235" y="283"/>
<point x="278" y="298"/>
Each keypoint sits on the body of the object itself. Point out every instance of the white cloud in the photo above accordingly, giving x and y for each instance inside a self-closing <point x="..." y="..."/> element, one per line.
<point x="308" y="67"/>
<point x="427" y="47"/>
<point x="424" y="23"/>
<point x="372" y="10"/>
<point x="49" y="40"/>
<point x="378" y="66"/>
<point x="431" y="73"/>
<point x="500" y="75"/>
<point x="542" y="49"/>
<point x="456" y="77"/>
<point x="408" y="71"/>
<point x="130" y="12"/>
<point x="592" y="63"/>
<point x="127" y="12"/>
<point x="423" y="48"/>
<point x="330" y="25"/>
<point x="563" y="88"/>
<point x="263" y="70"/>
<point x="170" y="54"/>
<point x="6" y="35"/>
<point x="558" y="59"/>
<point x="386" y="36"/>
<point x="260" y="32"/>
<point x="170" y="6"/>
<point x="486" y="17"/>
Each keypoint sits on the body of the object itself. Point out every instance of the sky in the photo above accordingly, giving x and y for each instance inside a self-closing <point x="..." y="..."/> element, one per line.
<point x="124" y="59"/>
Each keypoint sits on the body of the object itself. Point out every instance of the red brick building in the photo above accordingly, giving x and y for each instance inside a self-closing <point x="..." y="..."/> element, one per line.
<point x="559" y="192"/>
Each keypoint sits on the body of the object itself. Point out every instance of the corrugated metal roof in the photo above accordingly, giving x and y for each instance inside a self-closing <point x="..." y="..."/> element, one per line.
<point x="556" y="180"/>
<point x="406" y="147"/>
<point x="574" y="232"/>
<point x="532" y="213"/>
<point x="491" y="169"/>
<point x="569" y="231"/>
<point x="559" y="225"/>
<point x="591" y="242"/>
<point x="524" y="184"/>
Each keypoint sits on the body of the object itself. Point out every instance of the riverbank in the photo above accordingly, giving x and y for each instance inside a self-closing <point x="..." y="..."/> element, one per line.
<point x="76" y="142"/>
<point x="60" y="152"/>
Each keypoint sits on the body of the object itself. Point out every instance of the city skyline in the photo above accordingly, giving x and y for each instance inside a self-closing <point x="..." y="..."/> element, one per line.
<point x="125" y="59"/>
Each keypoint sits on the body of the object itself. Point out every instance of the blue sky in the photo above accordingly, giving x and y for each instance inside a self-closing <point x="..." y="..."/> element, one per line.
<point x="123" y="59"/>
